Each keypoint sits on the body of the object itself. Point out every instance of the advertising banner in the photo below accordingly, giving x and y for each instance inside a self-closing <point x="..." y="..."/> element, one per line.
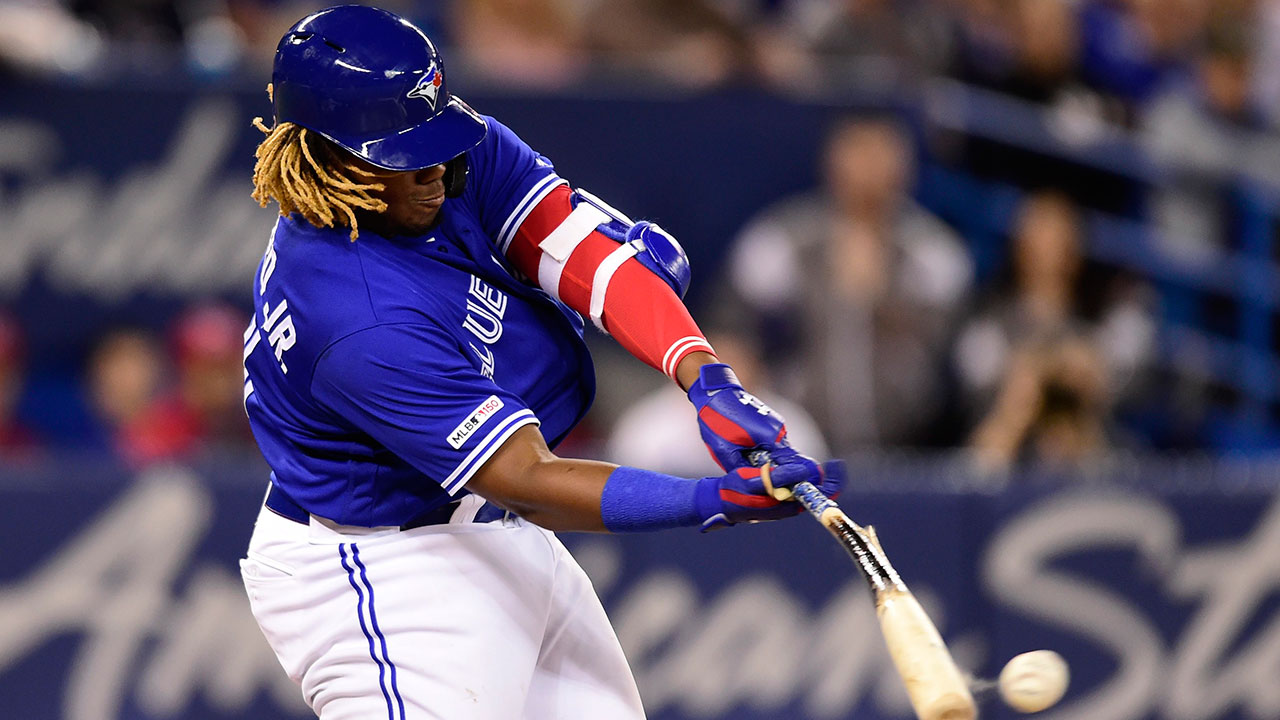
<point x="120" y="598"/>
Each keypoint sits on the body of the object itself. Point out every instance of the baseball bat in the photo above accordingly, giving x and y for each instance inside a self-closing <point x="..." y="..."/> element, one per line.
<point x="937" y="689"/>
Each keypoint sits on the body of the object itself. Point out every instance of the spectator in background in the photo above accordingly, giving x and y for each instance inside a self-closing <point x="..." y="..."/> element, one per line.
<point x="41" y="37"/>
<point x="658" y="431"/>
<point x="687" y="43"/>
<point x="860" y="287"/>
<point x="125" y="373"/>
<point x="1207" y="134"/>
<point x="522" y="42"/>
<point x="1132" y="47"/>
<point x="1039" y="377"/>
<point x="1051" y="410"/>
<point x="871" y="42"/>
<point x="1046" y="50"/>
<point x="1266" y="85"/>
<point x="201" y="413"/>
<point x="149" y="34"/>
<point x="157" y="22"/>
<point x="1036" y="58"/>
<point x="17" y="442"/>
<point x="983" y="38"/>
<point x="207" y="403"/>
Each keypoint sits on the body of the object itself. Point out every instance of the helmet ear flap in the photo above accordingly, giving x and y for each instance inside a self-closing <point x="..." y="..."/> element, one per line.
<point x="455" y="176"/>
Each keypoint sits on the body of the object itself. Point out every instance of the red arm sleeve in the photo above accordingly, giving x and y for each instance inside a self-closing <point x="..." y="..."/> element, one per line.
<point x="599" y="278"/>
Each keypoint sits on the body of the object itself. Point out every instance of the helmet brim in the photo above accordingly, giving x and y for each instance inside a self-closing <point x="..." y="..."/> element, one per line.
<point x="445" y="136"/>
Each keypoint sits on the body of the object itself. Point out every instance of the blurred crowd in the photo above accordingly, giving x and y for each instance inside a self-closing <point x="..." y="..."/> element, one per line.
<point x="863" y="308"/>
<point x="851" y="308"/>
<point x="871" y="321"/>
<point x="148" y="397"/>
<point x="1116" y="56"/>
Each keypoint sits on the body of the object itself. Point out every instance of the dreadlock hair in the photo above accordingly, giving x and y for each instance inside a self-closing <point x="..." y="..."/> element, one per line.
<point x="306" y="174"/>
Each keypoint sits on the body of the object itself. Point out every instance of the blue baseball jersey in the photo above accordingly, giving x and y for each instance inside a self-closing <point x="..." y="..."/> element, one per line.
<point x="380" y="374"/>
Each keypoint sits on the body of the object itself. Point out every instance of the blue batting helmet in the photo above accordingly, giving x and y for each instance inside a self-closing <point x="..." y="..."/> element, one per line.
<point x="373" y="83"/>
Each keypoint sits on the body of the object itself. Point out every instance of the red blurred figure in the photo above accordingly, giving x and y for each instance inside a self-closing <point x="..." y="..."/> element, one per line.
<point x="208" y="344"/>
<point x="16" y="441"/>
<point x="202" y="411"/>
<point x="125" y="375"/>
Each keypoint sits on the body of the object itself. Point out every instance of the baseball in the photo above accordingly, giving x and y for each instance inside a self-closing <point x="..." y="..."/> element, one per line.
<point x="1034" y="681"/>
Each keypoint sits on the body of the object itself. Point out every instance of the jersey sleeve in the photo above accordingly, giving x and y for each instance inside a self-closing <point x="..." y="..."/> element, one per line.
<point x="410" y="388"/>
<point x="508" y="179"/>
<point x="527" y="209"/>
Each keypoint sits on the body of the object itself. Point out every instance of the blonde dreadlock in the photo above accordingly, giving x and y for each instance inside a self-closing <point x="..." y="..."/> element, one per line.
<point x="323" y="190"/>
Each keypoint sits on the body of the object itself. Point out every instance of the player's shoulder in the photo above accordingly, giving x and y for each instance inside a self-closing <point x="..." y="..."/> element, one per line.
<point x="503" y="150"/>
<point x="498" y="133"/>
<point x="304" y="259"/>
<point x="350" y="285"/>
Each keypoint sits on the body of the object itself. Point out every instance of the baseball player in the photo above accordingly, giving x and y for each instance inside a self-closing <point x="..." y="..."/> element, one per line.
<point x="415" y="353"/>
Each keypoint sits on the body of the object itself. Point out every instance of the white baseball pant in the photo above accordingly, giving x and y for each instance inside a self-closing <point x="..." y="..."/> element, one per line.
<point x="470" y="621"/>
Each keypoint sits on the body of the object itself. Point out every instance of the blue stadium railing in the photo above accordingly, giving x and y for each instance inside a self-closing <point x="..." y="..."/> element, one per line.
<point x="1242" y="270"/>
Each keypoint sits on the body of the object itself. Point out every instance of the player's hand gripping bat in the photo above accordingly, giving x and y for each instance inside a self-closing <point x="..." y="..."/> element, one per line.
<point x="937" y="689"/>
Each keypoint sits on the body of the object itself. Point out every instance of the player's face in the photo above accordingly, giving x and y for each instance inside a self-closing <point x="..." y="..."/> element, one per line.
<point x="413" y="201"/>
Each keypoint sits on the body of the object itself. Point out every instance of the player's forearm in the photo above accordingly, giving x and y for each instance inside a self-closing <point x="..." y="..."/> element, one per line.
<point x="649" y="320"/>
<point x="687" y="370"/>
<point x="587" y="496"/>
<point x="561" y="494"/>
<point x="572" y="495"/>
<point x="557" y="493"/>
<point x="525" y="477"/>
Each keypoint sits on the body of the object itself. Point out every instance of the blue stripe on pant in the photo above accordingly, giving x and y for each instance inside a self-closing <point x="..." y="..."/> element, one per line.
<point x="384" y="663"/>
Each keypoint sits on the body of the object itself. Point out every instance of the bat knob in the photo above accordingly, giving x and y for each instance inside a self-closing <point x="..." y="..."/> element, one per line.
<point x="780" y="494"/>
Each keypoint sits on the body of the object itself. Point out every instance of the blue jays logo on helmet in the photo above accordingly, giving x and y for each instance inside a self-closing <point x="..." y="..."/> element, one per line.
<point x="428" y="86"/>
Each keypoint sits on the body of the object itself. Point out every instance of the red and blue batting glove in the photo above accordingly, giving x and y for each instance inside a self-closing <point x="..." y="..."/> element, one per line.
<point x="741" y="495"/>
<point x="735" y="425"/>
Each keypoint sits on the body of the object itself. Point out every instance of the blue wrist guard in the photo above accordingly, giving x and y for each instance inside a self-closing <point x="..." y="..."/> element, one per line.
<point x="636" y="500"/>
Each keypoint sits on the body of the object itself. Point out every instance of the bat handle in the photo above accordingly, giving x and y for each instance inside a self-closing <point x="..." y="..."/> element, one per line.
<point x="808" y="494"/>
<point x="813" y="499"/>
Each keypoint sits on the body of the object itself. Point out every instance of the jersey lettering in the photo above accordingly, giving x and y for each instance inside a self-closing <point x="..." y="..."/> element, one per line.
<point x="482" y="323"/>
<point x="490" y="297"/>
<point x="268" y="264"/>
<point x="486" y="360"/>
<point x="486" y="306"/>
<point x="280" y="325"/>
<point x="251" y="339"/>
